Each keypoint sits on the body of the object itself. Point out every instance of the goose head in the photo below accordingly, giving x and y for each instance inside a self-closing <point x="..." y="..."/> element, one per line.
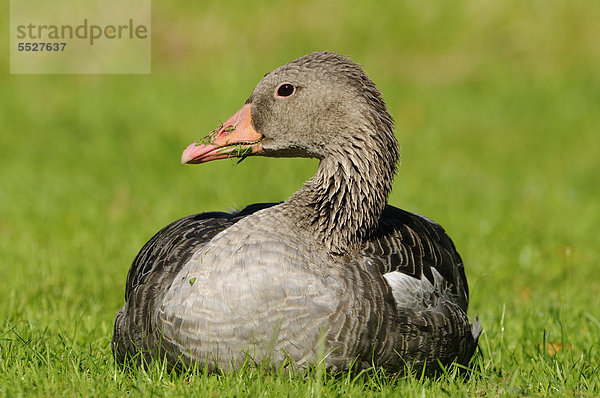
<point x="316" y="106"/>
<point x="323" y="106"/>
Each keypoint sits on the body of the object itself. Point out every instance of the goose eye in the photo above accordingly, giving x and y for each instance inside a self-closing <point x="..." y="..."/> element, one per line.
<point x="285" y="90"/>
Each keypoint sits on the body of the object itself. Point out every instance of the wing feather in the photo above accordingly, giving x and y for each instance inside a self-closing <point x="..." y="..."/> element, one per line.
<point x="171" y="247"/>
<point x="416" y="247"/>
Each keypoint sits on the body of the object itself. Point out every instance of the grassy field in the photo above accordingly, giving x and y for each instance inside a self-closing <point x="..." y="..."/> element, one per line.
<point x="497" y="108"/>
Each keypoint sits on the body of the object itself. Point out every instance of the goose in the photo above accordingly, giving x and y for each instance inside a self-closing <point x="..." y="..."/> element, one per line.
<point x="332" y="274"/>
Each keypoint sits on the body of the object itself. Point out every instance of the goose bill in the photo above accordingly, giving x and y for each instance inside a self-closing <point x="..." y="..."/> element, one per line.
<point x="235" y="138"/>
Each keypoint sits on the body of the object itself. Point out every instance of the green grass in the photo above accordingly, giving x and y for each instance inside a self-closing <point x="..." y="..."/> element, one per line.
<point x="497" y="110"/>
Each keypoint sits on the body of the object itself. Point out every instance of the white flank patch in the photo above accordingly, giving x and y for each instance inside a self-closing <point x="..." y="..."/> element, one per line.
<point x="416" y="293"/>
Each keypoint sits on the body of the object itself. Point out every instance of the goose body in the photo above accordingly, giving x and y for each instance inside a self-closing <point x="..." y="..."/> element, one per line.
<point x="331" y="271"/>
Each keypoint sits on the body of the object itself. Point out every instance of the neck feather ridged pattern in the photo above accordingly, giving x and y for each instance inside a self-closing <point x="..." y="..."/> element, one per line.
<point x="343" y="201"/>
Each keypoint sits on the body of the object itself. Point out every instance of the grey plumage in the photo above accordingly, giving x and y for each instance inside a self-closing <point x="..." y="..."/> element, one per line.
<point x="332" y="264"/>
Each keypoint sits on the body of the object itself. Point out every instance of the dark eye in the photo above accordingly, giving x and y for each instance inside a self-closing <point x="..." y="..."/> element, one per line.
<point x="285" y="90"/>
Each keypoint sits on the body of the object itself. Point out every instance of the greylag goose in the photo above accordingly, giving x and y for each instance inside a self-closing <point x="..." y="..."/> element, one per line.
<point x="333" y="273"/>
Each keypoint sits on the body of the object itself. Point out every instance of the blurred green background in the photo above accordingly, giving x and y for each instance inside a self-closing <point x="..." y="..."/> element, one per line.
<point x="497" y="109"/>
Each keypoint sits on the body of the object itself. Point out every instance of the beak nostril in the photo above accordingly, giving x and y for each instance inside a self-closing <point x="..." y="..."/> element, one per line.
<point x="229" y="129"/>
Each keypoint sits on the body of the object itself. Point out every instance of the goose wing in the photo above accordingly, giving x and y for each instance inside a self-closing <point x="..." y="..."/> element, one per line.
<point x="170" y="248"/>
<point x="418" y="260"/>
<point x="152" y="272"/>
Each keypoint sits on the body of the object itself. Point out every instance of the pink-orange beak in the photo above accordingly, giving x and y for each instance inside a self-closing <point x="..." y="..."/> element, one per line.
<point x="235" y="138"/>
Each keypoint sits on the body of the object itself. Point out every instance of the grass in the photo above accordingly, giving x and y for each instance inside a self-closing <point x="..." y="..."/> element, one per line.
<point x="496" y="107"/>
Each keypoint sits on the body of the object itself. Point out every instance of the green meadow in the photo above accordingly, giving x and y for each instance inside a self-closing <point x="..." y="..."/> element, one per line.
<point x="497" y="110"/>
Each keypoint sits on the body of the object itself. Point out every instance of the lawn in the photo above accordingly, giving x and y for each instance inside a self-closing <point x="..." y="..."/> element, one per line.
<point x="497" y="109"/>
